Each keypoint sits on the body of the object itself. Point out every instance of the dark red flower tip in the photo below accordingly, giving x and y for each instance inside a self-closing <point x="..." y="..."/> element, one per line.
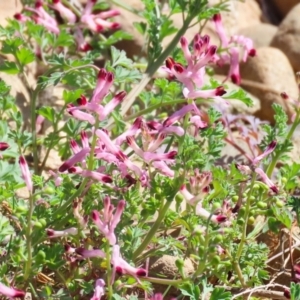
<point x="217" y="17"/>
<point x="73" y="143"/>
<point x="107" y="179"/>
<point x="72" y="170"/>
<point x="67" y="247"/>
<point x="64" y="167"/>
<point x="119" y="271"/>
<point x="198" y="46"/>
<point x="55" y="1"/>
<point x="252" y="52"/>
<point x="235" y="79"/>
<point x="79" y="250"/>
<point x="121" y="156"/>
<point x="236" y="208"/>
<point x="50" y="232"/>
<point x="212" y="50"/>
<point x="85" y="47"/>
<point x="121" y="95"/>
<point x="95" y="215"/>
<point x="102" y="74"/>
<point x="83" y="135"/>
<point x="22" y="160"/>
<point x="172" y="154"/>
<point x="275" y="189"/>
<point x="178" y="68"/>
<point x="297" y="268"/>
<point x="220" y="91"/>
<point x="82" y="100"/>
<point x="19" y="294"/>
<point x="141" y="272"/>
<point x="129" y="140"/>
<point x="115" y="25"/>
<point x="206" y="39"/>
<point x="130" y="180"/>
<point x="138" y="122"/>
<point x="284" y="96"/>
<point x="197" y="38"/>
<point x="287" y="294"/>
<point x="221" y="219"/>
<point x="99" y="28"/>
<point x="183" y="41"/>
<point x="38" y="4"/>
<point x="18" y="16"/>
<point x="3" y="146"/>
<point x="110" y="77"/>
<point x="170" y="63"/>
<point x="153" y="125"/>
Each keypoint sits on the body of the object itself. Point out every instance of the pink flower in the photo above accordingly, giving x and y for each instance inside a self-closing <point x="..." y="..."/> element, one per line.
<point x="97" y="22"/>
<point x="233" y="53"/>
<point x="11" y="292"/>
<point x="64" y="11"/>
<point x="97" y="176"/>
<point x="90" y="253"/>
<point x="78" y="157"/>
<point x="271" y="147"/>
<point x="122" y="267"/>
<point x="99" y="289"/>
<point x="267" y="180"/>
<point x="107" y="222"/>
<point x="61" y="233"/>
<point x="57" y="179"/>
<point x="25" y="173"/>
<point x="3" y="146"/>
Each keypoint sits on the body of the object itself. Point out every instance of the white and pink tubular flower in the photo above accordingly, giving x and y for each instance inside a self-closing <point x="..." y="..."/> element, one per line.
<point x="232" y="56"/>
<point x="193" y="75"/>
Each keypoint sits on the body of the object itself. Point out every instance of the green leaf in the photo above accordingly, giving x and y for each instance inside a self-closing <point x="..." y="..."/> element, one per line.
<point x="72" y="96"/>
<point x="220" y="294"/>
<point x="119" y="58"/>
<point x="47" y="112"/>
<point x="10" y="46"/>
<point x="9" y="67"/>
<point x="239" y="95"/>
<point x="25" y="56"/>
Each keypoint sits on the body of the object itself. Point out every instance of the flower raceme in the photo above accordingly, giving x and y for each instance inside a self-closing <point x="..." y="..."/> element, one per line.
<point x="231" y="46"/>
<point x="193" y="75"/>
<point x="96" y="22"/>
<point x="25" y="173"/>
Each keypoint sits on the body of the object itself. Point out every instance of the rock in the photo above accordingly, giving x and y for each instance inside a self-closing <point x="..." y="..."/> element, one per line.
<point x="287" y="37"/>
<point x="8" y="9"/>
<point x="165" y="265"/>
<point x="266" y="76"/>
<point x="262" y="34"/>
<point x="283" y="7"/>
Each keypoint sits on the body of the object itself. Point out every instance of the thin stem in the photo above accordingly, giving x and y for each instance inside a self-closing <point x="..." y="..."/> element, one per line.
<point x="272" y="165"/>
<point x="244" y="234"/>
<point x="28" y="238"/>
<point x="109" y="279"/>
<point x="163" y="281"/>
<point x="161" y="214"/>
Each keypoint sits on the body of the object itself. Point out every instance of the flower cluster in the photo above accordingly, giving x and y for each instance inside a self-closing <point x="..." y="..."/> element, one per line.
<point x="232" y="52"/>
<point x="95" y="22"/>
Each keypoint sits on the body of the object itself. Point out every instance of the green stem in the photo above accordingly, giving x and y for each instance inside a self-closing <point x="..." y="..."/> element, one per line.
<point x="244" y="234"/>
<point x="109" y="283"/>
<point x="161" y="214"/>
<point x="274" y="161"/>
<point x="163" y="281"/>
<point x="28" y="234"/>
